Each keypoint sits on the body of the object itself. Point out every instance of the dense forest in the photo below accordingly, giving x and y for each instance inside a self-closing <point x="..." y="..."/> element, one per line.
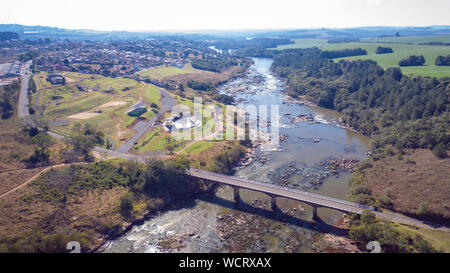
<point x="348" y="52"/>
<point x="406" y="112"/>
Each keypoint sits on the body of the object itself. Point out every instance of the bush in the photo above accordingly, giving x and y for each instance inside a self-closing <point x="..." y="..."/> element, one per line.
<point x="412" y="61"/>
<point x="440" y="151"/>
<point x="126" y="206"/>
<point x="443" y="60"/>
<point x="383" y="50"/>
<point x="137" y="112"/>
<point x="422" y="209"/>
<point x="391" y="239"/>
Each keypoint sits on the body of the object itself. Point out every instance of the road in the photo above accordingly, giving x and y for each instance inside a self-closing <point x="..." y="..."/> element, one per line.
<point x="167" y="104"/>
<point x="307" y="197"/>
<point x="23" y="110"/>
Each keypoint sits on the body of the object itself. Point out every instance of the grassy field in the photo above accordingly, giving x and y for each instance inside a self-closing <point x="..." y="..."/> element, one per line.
<point x="440" y="239"/>
<point x="410" y="39"/>
<point x="420" y="177"/>
<point x="198" y="147"/>
<point x="401" y="50"/>
<point x="153" y="141"/>
<point x="162" y="72"/>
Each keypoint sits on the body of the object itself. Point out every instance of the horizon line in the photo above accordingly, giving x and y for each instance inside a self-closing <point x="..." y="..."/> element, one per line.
<point x="227" y="30"/>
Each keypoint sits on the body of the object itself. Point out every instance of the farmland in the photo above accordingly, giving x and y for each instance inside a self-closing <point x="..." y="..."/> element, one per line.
<point x="402" y="46"/>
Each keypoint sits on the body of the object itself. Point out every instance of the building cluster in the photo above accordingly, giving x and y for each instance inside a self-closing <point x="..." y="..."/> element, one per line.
<point x="108" y="58"/>
<point x="9" y="70"/>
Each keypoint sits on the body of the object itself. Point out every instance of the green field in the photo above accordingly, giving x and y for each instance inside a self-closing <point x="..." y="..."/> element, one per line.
<point x="440" y="239"/>
<point x="153" y="141"/>
<point x="162" y="72"/>
<point x="401" y="50"/>
<point x="410" y="39"/>
<point x="198" y="147"/>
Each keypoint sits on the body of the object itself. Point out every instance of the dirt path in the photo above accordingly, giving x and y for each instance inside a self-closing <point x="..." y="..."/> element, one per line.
<point x="141" y="92"/>
<point x="34" y="178"/>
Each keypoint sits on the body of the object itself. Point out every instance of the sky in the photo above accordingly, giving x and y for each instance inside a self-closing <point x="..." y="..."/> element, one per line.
<point x="149" y="15"/>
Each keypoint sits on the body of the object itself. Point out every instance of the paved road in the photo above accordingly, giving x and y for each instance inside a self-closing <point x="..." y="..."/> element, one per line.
<point x="310" y="198"/>
<point x="23" y="110"/>
<point x="167" y="104"/>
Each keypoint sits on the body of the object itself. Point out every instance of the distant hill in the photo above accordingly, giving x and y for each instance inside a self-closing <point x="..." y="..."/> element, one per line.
<point x="344" y="34"/>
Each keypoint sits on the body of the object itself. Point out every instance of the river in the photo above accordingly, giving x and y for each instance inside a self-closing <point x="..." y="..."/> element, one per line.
<point x="211" y="223"/>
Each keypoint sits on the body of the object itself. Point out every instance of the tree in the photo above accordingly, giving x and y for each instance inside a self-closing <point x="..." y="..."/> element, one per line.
<point x="170" y="148"/>
<point x="422" y="209"/>
<point x="126" y="206"/>
<point x="368" y="217"/>
<point x="440" y="151"/>
<point x="383" y="50"/>
<point x="6" y="104"/>
<point x="412" y="60"/>
<point x="443" y="60"/>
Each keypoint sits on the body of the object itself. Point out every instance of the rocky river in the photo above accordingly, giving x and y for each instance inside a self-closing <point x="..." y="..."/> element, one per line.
<point x="315" y="154"/>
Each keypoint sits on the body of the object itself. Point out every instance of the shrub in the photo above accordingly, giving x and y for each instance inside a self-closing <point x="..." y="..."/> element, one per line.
<point x="440" y="151"/>
<point x="412" y="61"/>
<point x="126" y="206"/>
<point x="383" y="50"/>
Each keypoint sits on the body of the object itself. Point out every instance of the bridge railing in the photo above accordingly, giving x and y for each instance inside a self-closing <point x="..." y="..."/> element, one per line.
<point x="286" y="189"/>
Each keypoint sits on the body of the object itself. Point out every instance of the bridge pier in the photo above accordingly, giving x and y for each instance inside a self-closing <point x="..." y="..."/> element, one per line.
<point x="273" y="202"/>
<point x="236" y="194"/>
<point x="315" y="217"/>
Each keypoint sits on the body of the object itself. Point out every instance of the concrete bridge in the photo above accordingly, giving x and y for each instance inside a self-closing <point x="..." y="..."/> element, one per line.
<point x="314" y="200"/>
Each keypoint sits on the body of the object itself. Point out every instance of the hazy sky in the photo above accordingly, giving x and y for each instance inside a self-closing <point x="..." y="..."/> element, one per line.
<point x="225" y="14"/>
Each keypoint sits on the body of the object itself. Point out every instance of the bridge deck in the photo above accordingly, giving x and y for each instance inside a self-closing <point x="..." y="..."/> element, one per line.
<point x="307" y="197"/>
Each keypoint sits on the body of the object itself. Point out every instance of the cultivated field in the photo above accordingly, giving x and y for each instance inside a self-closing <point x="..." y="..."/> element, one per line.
<point x="402" y="46"/>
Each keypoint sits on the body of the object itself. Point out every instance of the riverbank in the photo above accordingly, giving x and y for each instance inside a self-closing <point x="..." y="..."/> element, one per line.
<point x="336" y="243"/>
<point x="302" y="100"/>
